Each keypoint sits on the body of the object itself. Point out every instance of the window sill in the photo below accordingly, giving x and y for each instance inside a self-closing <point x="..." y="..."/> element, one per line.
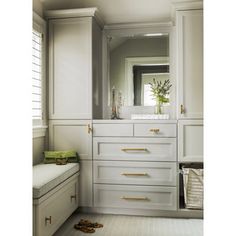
<point x="39" y="131"/>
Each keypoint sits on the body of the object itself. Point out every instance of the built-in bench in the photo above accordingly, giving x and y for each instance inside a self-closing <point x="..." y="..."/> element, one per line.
<point x="55" y="196"/>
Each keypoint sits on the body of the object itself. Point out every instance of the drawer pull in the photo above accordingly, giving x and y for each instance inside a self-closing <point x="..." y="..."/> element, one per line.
<point x="134" y="174"/>
<point x="154" y="130"/>
<point x="48" y="219"/>
<point x="134" y="149"/>
<point x="73" y="197"/>
<point x="135" y="198"/>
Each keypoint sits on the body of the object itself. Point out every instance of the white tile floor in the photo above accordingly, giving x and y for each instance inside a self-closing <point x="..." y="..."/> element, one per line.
<point x="119" y="225"/>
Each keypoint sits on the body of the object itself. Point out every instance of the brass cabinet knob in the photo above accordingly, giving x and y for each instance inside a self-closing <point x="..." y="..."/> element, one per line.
<point x="154" y="130"/>
<point x="72" y="197"/>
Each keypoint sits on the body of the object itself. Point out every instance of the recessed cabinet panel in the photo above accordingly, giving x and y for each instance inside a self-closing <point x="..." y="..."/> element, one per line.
<point x="190" y="64"/>
<point x="135" y="149"/>
<point x="70" y="68"/>
<point x="142" y="173"/>
<point x="155" y="130"/>
<point x="136" y="197"/>
<point x="112" y="130"/>
<point x="69" y="134"/>
<point x="191" y="141"/>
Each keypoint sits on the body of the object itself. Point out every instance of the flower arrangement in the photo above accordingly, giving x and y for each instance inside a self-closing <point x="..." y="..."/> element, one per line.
<point x="160" y="91"/>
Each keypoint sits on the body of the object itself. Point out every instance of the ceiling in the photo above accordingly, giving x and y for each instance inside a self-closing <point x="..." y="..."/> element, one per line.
<point x="120" y="11"/>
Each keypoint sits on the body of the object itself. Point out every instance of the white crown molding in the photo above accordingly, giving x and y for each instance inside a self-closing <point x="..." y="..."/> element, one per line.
<point x="137" y="29"/>
<point x="78" y="12"/>
<point x="183" y="6"/>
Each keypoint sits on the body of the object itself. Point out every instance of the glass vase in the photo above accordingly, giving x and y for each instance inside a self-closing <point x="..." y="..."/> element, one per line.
<point x="158" y="108"/>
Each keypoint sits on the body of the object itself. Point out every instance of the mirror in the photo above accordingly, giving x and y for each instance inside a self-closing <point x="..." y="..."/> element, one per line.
<point x="134" y="62"/>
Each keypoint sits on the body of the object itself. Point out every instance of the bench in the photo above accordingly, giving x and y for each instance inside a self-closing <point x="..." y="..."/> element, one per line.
<point x="55" y="196"/>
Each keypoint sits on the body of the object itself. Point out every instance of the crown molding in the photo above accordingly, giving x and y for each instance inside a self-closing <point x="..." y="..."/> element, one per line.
<point x="72" y="13"/>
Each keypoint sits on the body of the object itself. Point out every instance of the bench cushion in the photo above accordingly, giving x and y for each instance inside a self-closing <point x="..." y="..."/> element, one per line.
<point x="48" y="176"/>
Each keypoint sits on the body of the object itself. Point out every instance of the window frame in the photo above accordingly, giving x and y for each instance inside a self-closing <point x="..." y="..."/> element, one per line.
<point x="40" y="25"/>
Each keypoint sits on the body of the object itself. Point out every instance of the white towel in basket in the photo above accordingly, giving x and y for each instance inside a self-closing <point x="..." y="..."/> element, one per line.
<point x="193" y="188"/>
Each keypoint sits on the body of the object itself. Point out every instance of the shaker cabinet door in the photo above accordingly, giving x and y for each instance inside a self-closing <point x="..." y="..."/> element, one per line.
<point x="190" y="141"/>
<point x="70" y="63"/>
<point x="190" y="64"/>
<point x="71" y="135"/>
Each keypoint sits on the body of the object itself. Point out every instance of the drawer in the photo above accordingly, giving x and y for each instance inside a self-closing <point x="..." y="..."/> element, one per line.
<point x="52" y="212"/>
<point x="155" y="130"/>
<point x="143" y="173"/>
<point x="136" y="197"/>
<point x="112" y="130"/>
<point x="134" y="149"/>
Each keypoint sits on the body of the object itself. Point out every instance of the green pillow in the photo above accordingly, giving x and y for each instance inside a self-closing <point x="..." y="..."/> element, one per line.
<point x="55" y="156"/>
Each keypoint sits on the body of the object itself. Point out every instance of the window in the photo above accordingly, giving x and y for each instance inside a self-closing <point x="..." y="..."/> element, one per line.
<point x="38" y="71"/>
<point x="36" y="75"/>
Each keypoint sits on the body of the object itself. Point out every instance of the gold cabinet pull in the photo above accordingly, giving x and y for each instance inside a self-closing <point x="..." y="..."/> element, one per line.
<point x="90" y="130"/>
<point x="135" y="198"/>
<point x="133" y="149"/>
<point x="134" y="174"/>
<point x="182" y="110"/>
<point x="72" y="197"/>
<point x="48" y="219"/>
<point x="154" y="130"/>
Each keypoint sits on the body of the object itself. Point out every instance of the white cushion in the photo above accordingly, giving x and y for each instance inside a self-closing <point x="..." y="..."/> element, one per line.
<point x="48" y="176"/>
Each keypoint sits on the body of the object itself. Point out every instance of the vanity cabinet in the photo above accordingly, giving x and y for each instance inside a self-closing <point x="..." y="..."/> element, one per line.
<point x="138" y="169"/>
<point x="189" y="26"/>
<point x="75" y="86"/>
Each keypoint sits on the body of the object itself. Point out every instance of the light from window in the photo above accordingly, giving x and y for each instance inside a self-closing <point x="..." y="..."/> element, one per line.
<point x="36" y="75"/>
<point x="148" y="98"/>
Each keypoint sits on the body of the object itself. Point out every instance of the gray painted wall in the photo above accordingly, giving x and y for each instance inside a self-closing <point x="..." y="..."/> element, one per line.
<point x="39" y="145"/>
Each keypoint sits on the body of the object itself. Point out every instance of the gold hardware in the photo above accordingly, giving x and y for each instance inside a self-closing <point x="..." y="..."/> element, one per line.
<point x="134" y="174"/>
<point x="182" y="110"/>
<point x="135" y="198"/>
<point x="48" y="219"/>
<point x="154" y="130"/>
<point x="133" y="149"/>
<point x="73" y="197"/>
<point x="89" y="129"/>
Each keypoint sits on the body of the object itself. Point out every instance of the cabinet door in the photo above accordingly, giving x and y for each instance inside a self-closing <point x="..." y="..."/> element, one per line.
<point x="71" y="134"/>
<point x="190" y="140"/>
<point x="70" y="73"/>
<point x="190" y="64"/>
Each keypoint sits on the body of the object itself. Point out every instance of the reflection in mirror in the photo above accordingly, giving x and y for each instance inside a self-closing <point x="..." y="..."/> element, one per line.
<point x="134" y="62"/>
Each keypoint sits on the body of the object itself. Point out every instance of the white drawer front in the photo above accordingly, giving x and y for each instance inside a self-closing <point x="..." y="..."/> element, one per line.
<point x="155" y="130"/>
<point x="143" y="173"/>
<point x="136" y="197"/>
<point x="56" y="209"/>
<point x="112" y="130"/>
<point x="135" y="149"/>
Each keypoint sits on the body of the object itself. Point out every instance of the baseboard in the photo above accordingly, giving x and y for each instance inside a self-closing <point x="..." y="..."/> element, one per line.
<point x="198" y="214"/>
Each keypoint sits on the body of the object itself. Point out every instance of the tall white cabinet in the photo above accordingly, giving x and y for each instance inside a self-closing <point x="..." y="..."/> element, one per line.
<point x="189" y="27"/>
<point x="75" y="91"/>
